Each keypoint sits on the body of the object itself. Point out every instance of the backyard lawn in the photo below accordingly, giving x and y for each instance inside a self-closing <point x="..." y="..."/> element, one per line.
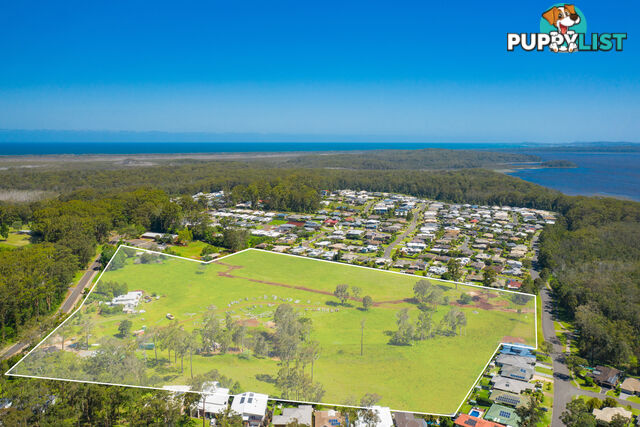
<point x="430" y="376"/>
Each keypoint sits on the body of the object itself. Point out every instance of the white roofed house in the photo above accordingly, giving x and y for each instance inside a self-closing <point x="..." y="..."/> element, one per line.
<point x="214" y="400"/>
<point x="130" y="301"/>
<point x="251" y="406"/>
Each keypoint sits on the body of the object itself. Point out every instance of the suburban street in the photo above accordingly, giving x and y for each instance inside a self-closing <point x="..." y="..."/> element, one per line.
<point x="564" y="390"/>
<point x="409" y="230"/>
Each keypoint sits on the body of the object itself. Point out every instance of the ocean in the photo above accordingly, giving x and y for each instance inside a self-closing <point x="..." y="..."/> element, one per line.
<point x="79" y="148"/>
<point x="612" y="174"/>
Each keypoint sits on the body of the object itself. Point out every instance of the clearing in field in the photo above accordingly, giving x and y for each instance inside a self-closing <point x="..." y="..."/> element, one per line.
<point x="295" y="328"/>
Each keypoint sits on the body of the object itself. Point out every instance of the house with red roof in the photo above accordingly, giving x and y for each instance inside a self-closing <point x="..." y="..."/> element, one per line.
<point x="465" y="420"/>
<point x="514" y="284"/>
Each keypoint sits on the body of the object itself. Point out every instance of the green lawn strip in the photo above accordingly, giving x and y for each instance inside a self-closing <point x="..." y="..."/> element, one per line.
<point x="544" y="370"/>
<point x="539" y="331"/>
<point x="583" y="386"/>
<point x="441" y="370"/>
<point x="547" y="402"/>
<point x="544" y="358"/>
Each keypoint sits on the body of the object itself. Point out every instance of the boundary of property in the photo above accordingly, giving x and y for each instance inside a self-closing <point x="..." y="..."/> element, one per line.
<point x="9" y="373"/>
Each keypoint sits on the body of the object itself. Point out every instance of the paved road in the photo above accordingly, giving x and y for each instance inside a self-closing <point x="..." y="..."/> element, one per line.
<point x="409" y="230"/>
<point x="76" y="294"/>
<point x="66" y="306"/>
<point x="14" y="349"/>
<point x="562" y="387"/>
<point x="307" y="243"/>
<point x="564" y="390"/>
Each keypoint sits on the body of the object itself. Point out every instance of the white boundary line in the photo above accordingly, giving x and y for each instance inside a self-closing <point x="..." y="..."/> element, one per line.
<point x="478" y="378"/>
<point x="9" y="373"/>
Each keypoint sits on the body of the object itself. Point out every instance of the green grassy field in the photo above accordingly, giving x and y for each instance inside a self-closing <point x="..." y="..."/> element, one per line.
<point x="15" y="240"/>
<point x="191" y="250"/>
<point x="428" y="376"/>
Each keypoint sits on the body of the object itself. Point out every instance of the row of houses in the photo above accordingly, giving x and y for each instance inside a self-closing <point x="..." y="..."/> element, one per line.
<point x="255" y="411"/>
<point x="508" y="389"/>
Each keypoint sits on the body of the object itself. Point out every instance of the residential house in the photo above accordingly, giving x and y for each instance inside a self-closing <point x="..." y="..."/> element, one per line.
<point x="215" y="399"/>
<point x="514" y="360"/>
<point x="607" y="414"/>
<point x="251" y="406"/>
<point x="130" y="301"/>
<point x="503" y="415"/>
<point x="509" y="399"/>
<point x="606" y="376"/>
<point x="508" y="384"/>
<point x="514" y="284"/>
<point x="518" y="351"/>
<point x="349" y="258"/>
<point x="300" y="415"/>
<point x="630" y="386"/>
<point x="354" y="234"/>
<point x="298" y="250"/>
<point x="517" y="372"/>
<point x="405" y="419"/>
<point x="437" y="269"/>
<point x="156" y="236"/>
<point x="465" y="420"/>
<point x="329" y="418"/>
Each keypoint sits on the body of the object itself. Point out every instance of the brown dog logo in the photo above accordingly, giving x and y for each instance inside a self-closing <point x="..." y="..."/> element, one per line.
<point x="562" y="18"/>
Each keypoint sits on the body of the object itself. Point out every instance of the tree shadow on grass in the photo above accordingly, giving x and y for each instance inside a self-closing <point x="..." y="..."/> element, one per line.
<point x="266" y="378"/>
<point x="337" y="304"/>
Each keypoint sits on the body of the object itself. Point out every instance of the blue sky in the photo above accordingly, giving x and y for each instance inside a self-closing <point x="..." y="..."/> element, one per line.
<point x="392" y="70"/>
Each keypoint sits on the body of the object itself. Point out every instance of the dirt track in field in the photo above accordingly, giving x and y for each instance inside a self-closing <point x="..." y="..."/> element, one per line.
<point x="231" y="268"/>
<point x="480" y="300"/>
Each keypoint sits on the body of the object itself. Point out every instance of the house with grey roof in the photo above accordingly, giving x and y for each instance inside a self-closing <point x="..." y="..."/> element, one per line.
<point x="513" y="360"/>
<point x="508" y="384"/>
<point x="517" y="372"/>
<point x="300" y="415"/>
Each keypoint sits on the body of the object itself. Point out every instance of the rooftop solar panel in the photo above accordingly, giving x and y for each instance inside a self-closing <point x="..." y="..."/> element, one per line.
<point x="505" y="414"/>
